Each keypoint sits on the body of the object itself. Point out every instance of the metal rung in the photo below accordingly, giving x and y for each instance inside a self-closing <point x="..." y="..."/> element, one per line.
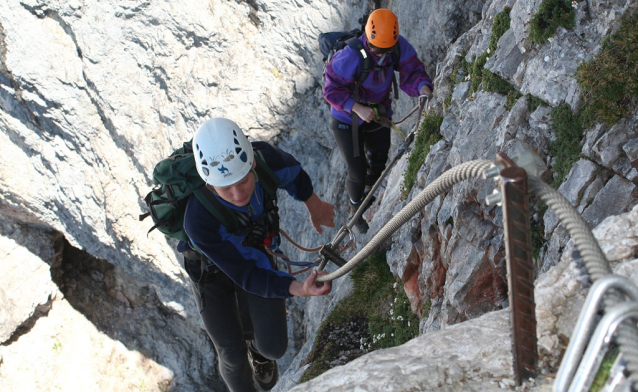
<point x="585" y="325"/>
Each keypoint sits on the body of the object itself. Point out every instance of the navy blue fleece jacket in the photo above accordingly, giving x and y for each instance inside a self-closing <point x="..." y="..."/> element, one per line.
<point x="247" y="266"/>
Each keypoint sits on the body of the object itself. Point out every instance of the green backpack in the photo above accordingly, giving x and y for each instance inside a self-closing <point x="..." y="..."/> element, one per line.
<point x="176" y="178"/>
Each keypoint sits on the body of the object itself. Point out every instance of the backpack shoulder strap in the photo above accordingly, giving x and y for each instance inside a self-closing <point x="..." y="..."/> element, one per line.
<point x="357" y="45"/>
<point x="267" y="179"/>
<point x="217" y="209"/>
<point x="396" y="57"/>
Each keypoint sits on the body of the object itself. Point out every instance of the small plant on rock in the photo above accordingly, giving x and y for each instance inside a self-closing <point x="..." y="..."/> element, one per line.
<point x="376" y="315"/>
<point x="610" y="81"/>
<point x="428" y="135"/>
<point x="550" y="15"/>
<point x="568" y="129"/>
<point x="500" y="26"/>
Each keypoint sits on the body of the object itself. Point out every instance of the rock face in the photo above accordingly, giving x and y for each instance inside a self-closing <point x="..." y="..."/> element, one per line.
<point x="93" y="94"/>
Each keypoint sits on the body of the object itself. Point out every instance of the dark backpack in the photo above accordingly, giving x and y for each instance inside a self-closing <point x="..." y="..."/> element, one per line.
<point x="176" y="178"/>
<point x="332" y="42"/>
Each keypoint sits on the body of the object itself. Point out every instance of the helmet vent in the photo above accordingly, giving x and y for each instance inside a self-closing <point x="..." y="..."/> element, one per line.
<point x="205" y="170"/>
<point x="243" y="156"/>
<point x="237" y="142"/>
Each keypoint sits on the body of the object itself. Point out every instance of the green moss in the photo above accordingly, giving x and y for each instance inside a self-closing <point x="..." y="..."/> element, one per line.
<point x="568" y="129"/>
<point x="512" y="98"/>
<point x="534" y="102"/>
<point x="476" y="72"/>
<point x="447" y="102"/>
<point x="461" y="70"/>
<point x="604" y="371"/>
<point x="494" y="83"/>
<point x="428" y="135"/>
<point x="378" y="304"/>
<point x="610" y="81"/>
<point x="425" y="308"/>
<point x="550" y="15"/>
<point x="499" y="27"/>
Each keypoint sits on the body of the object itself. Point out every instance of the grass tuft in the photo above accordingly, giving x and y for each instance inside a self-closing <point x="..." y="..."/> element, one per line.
<point x="568" y="129"/>
<point x="550" y="15"/>
<point x="610" y="81"/>
<point x="377" y="314"/>
<point x="610" y="85"/>
<point x="461" y="70"/>
<point x="428" y="135"/>
<point x="496" y="84"/>
<point x="499" y="27"/>
<point x="476" y="72"/>
<point x="534" y="102"/>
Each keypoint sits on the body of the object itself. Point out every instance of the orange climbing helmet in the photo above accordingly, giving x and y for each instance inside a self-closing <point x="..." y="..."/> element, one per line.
<point x="382" y="29"/>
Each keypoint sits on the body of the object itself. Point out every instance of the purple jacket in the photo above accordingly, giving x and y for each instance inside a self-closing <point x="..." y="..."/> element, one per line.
<point x="343" y="71"/>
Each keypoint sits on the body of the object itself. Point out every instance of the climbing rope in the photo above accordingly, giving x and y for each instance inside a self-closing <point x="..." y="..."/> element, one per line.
<point x="387" y="123"/>
<point x="448" y="179"/>
<point x="296" y="245"/>
<point x="308" y="265"/>
<point x="595" y="261"/>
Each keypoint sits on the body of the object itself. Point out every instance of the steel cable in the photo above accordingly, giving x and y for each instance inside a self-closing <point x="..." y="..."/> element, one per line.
<point x="443" y="183"/>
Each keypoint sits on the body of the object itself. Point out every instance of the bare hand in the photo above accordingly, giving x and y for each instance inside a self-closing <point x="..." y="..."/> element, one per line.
<point x="365" y="113"/>
<point x="426" y="90"/>
<point x="310" y="287"/>
<point x="321" y="213"/>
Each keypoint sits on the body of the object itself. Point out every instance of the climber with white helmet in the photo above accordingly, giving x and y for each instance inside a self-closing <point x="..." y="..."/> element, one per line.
<point x="229" y="265"/>
<point x="355" y="104"/>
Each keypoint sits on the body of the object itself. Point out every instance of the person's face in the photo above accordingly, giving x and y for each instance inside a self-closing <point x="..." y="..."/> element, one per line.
<point x="379" y="51"/>
<point x="238" y="193"/>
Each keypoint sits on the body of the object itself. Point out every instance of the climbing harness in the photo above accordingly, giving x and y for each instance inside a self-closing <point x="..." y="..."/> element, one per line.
<point x="307" y="265"/>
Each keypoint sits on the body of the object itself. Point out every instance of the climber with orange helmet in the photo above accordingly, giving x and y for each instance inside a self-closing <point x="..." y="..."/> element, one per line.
<point x="230" y="268"/>
<point x="363" y="143"/>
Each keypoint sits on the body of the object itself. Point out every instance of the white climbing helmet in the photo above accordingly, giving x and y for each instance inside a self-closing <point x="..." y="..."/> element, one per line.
<point x="223" y="154"/>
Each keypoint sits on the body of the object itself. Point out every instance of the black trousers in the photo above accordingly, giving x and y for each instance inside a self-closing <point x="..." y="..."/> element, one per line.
<point x="219" y="301"/>
<point x="373" y="154"/>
